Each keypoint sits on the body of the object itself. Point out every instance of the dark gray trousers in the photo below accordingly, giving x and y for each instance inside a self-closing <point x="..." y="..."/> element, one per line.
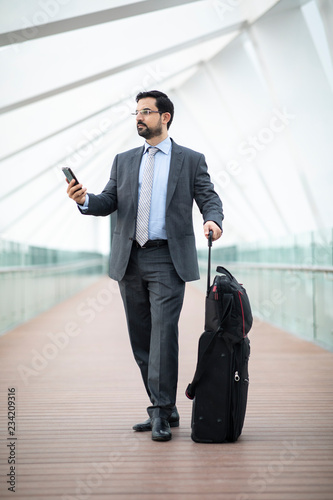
<point x="153" y="295"/>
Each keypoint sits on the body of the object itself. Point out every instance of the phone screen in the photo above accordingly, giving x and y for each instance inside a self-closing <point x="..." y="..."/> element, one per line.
<point x="70" y="175"/>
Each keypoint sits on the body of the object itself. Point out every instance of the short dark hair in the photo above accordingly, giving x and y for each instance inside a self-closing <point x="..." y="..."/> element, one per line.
<point x="163" y="103"/>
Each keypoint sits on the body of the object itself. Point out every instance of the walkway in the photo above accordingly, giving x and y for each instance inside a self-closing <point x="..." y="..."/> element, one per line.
<point x="78" y="393"/>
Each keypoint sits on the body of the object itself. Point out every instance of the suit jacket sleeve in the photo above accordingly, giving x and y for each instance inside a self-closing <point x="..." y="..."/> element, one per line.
<point x="106" y="202"/>
<point x="206" y="198"/>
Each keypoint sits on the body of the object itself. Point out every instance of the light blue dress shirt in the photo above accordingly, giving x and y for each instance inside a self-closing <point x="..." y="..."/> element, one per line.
<point x="156" y="229"/>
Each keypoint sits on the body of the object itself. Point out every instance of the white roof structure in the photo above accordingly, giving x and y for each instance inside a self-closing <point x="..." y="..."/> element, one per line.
<point x="252" y="84"/>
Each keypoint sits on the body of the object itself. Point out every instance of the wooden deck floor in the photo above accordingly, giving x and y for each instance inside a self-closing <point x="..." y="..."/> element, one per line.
<point x="78" y="393"/>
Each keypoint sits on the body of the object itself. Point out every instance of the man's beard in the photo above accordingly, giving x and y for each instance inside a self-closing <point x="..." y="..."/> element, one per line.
<point x="149" y="133"/>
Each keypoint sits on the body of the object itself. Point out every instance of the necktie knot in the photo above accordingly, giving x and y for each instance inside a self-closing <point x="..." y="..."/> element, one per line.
<point x="152" y="151"/>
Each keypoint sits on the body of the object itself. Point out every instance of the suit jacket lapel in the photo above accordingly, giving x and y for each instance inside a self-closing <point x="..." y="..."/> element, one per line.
<point x="134" y="164"/>
<point x="176" y="164"/>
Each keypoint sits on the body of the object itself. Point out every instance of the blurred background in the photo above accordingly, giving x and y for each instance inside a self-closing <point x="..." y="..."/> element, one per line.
<point x="252" y="84"/>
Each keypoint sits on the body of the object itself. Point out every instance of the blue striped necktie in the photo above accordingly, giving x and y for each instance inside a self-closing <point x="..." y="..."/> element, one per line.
<point x="142" y="220"/>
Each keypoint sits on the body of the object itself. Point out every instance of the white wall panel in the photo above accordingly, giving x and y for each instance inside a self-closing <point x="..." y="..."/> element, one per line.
<point x="302" y="88"/>
<point x="258" y="104"/>
<point x="274" y="120"/>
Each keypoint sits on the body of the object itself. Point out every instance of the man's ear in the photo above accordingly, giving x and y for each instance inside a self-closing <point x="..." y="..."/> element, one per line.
<point x="166" y="118"/>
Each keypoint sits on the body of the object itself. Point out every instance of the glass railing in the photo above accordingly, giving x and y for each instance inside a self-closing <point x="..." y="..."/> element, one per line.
<point x="33" y="279"/>
<point x="289" y="281"/>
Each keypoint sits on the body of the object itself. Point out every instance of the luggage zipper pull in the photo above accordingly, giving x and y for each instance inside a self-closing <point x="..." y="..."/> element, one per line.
<point x="237" y="377"/>
<point x="216" y="295"/>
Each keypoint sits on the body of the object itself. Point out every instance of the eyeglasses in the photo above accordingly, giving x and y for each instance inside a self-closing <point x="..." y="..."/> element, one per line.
<point x="145" y="112"/>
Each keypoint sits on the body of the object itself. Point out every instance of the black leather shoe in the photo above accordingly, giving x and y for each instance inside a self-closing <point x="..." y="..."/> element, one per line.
<point x="160" y="429"/>
<point x="146" y="426"/>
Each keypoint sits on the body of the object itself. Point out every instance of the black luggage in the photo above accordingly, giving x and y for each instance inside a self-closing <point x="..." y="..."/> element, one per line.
<point x="220" y="384"/>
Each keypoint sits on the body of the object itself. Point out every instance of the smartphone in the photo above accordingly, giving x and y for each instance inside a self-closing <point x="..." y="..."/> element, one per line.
<point x="70" y="175"/>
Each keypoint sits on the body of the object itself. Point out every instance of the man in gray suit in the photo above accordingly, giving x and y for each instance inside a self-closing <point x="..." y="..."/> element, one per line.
<point x="153" y="249"/>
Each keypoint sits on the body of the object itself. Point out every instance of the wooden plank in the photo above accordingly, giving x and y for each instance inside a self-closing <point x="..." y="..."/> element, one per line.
<point x="78" y="393"/>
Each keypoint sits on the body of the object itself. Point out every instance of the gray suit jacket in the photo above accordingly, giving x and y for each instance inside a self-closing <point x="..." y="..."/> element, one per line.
<point x="188" y="181"/>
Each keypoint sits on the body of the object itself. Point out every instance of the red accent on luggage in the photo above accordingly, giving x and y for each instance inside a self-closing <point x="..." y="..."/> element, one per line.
<point x="241" y="304"/>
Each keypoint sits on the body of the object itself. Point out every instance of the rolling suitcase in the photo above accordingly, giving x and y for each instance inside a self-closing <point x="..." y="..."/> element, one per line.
<point x="220" y="384"/>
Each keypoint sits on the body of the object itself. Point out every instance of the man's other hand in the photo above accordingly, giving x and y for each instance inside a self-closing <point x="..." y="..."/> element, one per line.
<point x="211" y="226"/>
<point x="76" y="193"/>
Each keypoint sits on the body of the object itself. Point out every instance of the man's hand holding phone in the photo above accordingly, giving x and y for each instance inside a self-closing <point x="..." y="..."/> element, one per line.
<point x="75" y="190"/>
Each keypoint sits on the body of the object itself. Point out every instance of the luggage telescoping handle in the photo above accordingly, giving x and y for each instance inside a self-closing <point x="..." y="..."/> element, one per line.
<point x="210" y="243"/>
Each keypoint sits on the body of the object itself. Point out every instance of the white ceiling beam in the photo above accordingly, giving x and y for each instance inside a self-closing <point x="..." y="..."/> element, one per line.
<point x="123" y="67"/>
<point x="251" y="207"/>
<point x="87" y="20"/>
<point x="92" y="115"/>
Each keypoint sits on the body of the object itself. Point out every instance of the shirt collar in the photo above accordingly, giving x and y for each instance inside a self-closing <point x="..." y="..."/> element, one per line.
<point x="163" y="146"/>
